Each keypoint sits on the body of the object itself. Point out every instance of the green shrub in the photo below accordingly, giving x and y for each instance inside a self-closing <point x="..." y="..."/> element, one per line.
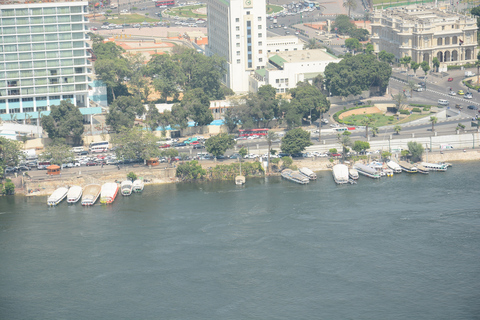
<point x="426" y="108"/>
<point x="391" y="118"/>
<point x="404" y="111"/>
<point x="131" y="176"/>
<point x="416" y="110"/>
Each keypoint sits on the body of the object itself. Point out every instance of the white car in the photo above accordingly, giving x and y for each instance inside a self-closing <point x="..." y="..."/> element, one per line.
<point x="251" y="156"/>
<point x="468" y="96"/>
<point x="452" y="93"/>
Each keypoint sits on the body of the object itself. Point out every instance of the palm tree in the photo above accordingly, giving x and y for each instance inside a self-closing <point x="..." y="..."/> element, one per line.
<point x="397" y="129"/>
<point x="477" y="64"/>
<point x="366" y="122"/>
<point x="433" y="120"/>
<point x="312" y="44"/>
<point x="350" y="4"/>
<point x="374" y="131"/>
<point x="345" y="141"/>
<point x="435" y="63"/>
<point x="271" y="137"/>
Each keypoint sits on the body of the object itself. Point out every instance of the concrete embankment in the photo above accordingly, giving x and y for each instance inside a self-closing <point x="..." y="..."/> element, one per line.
<point x="163" y="175"/>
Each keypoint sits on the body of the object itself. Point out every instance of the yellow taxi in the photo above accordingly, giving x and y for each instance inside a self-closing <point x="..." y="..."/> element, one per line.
<point x="460" y="92"/>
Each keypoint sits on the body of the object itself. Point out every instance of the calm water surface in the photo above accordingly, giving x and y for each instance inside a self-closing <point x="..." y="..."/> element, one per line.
<point x="406" y="247"/>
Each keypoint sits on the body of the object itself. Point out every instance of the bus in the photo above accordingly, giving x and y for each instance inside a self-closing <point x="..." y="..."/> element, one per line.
<point x="252" y="132"/>
<point x="100" y="146"/>
<point x="42" y="165"/>
<point x="77" y="149"/>
<point x="165" y="3"/>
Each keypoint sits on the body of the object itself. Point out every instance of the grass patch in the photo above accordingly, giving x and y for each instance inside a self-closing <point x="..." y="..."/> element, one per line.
<point x="273" y="9"/>
<point x="187" y="11"/>
<point x="130" y="18"/>
<point x="413" y="117"/>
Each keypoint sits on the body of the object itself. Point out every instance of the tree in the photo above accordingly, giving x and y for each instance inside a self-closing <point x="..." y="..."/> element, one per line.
<point x="271" y="137"/>
<point x="167" y="75"/>
<point x="190" y="171"/>
<point x="411" y="86"/>
<point x="295" y="141"/>
<point x="400" y="100"/>
<point x="386" y="56"/>
<point x="64" y="121"/>
<point x="414" y="67"/>
<point x="385" y="155"/>
<point x="397" y="129"/>
<point x="242" y="152"/>
<point x="112" y="72"/>
<point x="360" y="34"/>
<point x="231" y="118"/>
<point x="107" y="50"/>
<point x="477" y="64"/>
<point x="135" y="143"/>
<point x="360" y="146"/>
<point x="374" y="131"/>
<point x="353" y="44"/>
<point x="123" y="111"/>
<point x="311" y="44"/>
<point x="369" y="48"/>
<point x="416" y="150"/>
<point x="217" y="145"/>
<point x="10" y="153"/>
<point x="345" y="141"/>
<point x="357" y="73"/>
<point x="8" y="187"/>
<point x="153" y="116"/>
<point x="367" y="121"/>
<point x="197" y="106"/>
<point x="405" y="61"/>
<point x="425" y="67"/>
<point x="435" y="63"/>
<point x="131" y="176"/>
<point x="343" y="24"/>
<point x="308" y="100"/>
<point x="350" y="5"/>
<point x="58" y="152"/>
<point x="433" y="120"/>
<point x="287" y="162"/>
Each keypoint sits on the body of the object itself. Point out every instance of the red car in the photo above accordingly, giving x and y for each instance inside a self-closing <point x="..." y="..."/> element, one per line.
<point x="164" y="146"/>
<point x="336" y="154"/>
<point x="450" y="79"/>
<point x="194" y="143"/>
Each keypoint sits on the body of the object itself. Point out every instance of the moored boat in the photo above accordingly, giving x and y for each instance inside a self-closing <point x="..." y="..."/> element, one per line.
<point x="308" y="173"/>
<point x="294" y="176"/>
<point x="74" y="194"/>
<point x="90" y="194"/>
<point x="126" y="187"/>
<point x="407" y="167"/>
<point x="394" y="166"/>
<point x="138" y="185"/>
<point x="108" y="193"/>
<point x="367" y="170"/>
<point x="353" y="173"/>
<point x="435" y="166"/>
<point x="388" y="172"/>
<point x="57" y="196"/>
<point x="421" y="168"/>
<point x="340" y="173"/>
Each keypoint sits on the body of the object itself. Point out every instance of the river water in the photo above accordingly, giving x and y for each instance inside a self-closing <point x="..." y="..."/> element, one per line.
<point x="406" y="247"/>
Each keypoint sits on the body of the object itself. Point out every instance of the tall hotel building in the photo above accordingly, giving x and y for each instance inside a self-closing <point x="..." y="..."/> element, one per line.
<point x="43" y="58"/>
<point x="237" y="31"/>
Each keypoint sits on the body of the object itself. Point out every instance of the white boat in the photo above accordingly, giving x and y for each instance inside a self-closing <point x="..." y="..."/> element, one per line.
<point x="57" y="196"/>
<point x="294" y="176"/>
<point x="108" y="193"/>
<point x="353" y="173"/>
<point x="367" y="171"/>
<point x="126" y="187"/>
<point x="138" y="185"/>
<point x="435" y="166"/>
<point x="421" y="169"/>
<point x="394" y="166"/>
<point x="308" y="173"/>
<point x="239" y="180"/>
<point x="340" y="173"/>
<point x="388" y="172"/>
<point x="407" y="167"/>
<point x="74" y="194"/>
<point x="91" y="194"/>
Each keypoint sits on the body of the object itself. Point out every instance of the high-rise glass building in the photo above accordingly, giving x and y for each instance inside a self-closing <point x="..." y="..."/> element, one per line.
<point x="43" y="58"/>
<point x="237" y="31"/>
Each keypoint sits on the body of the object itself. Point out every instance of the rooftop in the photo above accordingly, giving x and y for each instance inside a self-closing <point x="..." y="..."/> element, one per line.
<point x="304" y="55"/>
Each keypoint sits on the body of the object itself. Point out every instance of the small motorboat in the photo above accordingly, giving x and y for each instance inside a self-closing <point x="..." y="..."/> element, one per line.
<point x="138" y="185"/>
<point x="57" y="196"/>
<point x="74" y="194"/>
<point x="126" y="187"/>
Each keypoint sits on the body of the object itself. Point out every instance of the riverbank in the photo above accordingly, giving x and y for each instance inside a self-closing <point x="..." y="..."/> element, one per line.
<point x="153" y="176"/>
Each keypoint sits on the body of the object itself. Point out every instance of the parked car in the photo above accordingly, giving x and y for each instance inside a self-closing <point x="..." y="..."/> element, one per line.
<point x="164" y="146"/>
<point x="91" y="163"/>
<point x="10" y="169"/>
<point x="23" y="168"/>
<point x="472" y="107"/>
<point x="336" y="155"/>
<point x="452" y="93"/>
<point x="180" y="144"/>
<point x="199" y="146"/>
<point x="460" y="92"/>
<point x="84" y="153"/>
<point x="468" y="95"/>
<point x="450" y="79"/>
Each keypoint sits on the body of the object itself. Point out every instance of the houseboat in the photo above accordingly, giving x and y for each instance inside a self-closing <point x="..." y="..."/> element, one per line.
<point x="407" y="167"/>
<point x="394" y="166"/>
<point x="294" y="176"/>
<point x="308" y="173"/>
<point x="74" y="194"/>
<point x="57" y="196"/>
<point x="126" y="187"/>
<point x="108" y="193"/>
<point x="138" y="185"/>
<point x="91" y="194"/>
<point x="366" y="170"/>
<point x="340" y="173"/>
<point x="353" y="173"/>
<point x="435" y="166"/>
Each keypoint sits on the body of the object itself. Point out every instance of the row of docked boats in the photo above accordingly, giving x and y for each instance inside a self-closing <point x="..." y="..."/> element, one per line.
<point x="343" y="174"/>
<point x="90" y="194"/>
<point x="301" y="176"/>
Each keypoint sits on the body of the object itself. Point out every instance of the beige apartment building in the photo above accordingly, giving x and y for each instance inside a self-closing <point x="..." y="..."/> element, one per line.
<point x="425" y="32"/>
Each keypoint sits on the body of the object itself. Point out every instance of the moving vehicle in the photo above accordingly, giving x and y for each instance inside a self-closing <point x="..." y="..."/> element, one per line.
<point x="252" y="132"/>
<point x="450" y="79"/>
<point x="452" y="93"/>
<point x="199" y="146"/>
<point x="443" y="102"/>
<point x="469" y="74"/>
<point x="460" y="92"/>
<point x="472" y="107"/>
<point x="165" y="3"/>
<point x="468" y="95"/>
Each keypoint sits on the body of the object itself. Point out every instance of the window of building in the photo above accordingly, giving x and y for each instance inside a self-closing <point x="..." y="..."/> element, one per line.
<point x="27" y="99"/>
<point x="259" y="35"/>
<point x="30" y="109"/>
<point x="14" y="110"/>
<point x="237" y="28"/>
<point x="249" y="64"/>
<point x="41" y="98"/>
<point x="238" y="36"/>
<point x="238" y="53"/>
<point x="259" y="43"/>
<point x="42" y="108"/>
<point x="259" y="18"/>
<point x="238" y="44"/>
<point x="68" y="96"/>
<point x="260" y="59"/>
<point x="259" y="27"/>
<point x="238" y="60"/>
<point x="277" y="80"/>
<point x="55" y="98"/>
<point x="248" y="13"/>
<point x="13" y="100"/>
<point x="237" y="19"/>
<point x="260" y="51"/>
